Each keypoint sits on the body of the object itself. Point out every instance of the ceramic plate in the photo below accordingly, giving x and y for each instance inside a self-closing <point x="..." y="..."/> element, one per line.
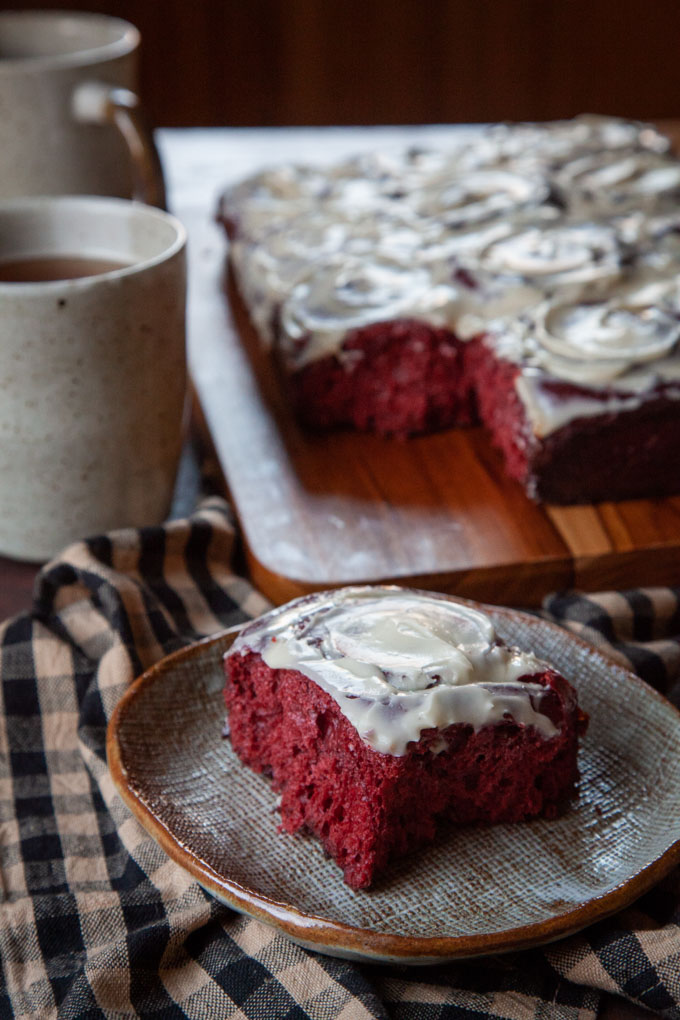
<point x="478" y="890"/>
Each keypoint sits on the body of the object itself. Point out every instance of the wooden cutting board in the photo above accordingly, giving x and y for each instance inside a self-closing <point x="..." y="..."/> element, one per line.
<point x="320" y="511"/>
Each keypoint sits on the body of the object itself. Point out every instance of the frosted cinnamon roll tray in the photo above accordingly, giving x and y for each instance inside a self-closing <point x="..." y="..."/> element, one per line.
<point x="526" y="277"/>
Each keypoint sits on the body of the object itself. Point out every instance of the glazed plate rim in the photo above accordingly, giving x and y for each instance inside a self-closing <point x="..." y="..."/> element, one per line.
<point x="335" y="937"/>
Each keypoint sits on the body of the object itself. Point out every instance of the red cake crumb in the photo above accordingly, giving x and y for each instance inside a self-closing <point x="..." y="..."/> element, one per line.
<point x="368" y="807"/>
<point x="498" y="405"/>
<point x="612" y="456"/>
<point x="394" y="378"/>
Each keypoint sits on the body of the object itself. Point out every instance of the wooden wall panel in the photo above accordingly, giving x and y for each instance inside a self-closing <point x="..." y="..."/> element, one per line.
<point x="269" y="62"/>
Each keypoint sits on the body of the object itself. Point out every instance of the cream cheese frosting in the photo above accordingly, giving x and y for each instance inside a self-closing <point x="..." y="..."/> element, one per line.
<point x="347" y="293"/>
<point x="399" y="661"/>
<point x="558" y="242"/>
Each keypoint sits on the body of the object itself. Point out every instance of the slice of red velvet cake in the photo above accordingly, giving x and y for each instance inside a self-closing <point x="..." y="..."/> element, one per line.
<point x="379" y="712"/>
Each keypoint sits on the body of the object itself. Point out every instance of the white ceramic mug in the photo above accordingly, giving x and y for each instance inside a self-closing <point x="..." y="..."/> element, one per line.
<point x="92" y="369"/>
<point x="70" y="121"/>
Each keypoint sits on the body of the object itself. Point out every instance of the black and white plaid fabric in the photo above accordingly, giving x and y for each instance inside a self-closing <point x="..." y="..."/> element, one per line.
<point x="95" y="920"/>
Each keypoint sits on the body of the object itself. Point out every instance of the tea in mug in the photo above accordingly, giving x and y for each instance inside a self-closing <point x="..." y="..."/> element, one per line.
<point x="43" y="268"/>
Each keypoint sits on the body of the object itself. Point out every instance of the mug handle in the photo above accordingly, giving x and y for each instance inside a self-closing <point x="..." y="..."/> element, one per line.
<point x="94" y="102"/>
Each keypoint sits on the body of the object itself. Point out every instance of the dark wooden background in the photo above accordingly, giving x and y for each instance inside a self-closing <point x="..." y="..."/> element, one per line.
<point x="285" y="62"/>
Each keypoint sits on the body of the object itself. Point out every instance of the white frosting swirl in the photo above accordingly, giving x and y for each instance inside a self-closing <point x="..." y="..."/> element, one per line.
<point x="556" y="256"/>
<point x="398" y="662"/>
<point x="479" y="195"/>
<point x="633" y="335"/>
<point x="518" y="272"/>
<point x="609" y="331"/>
<point x="553" y="145"/>
<point x="615" y="186"/>
<point x="345" y="293"/>
<point x="253" y="207"/>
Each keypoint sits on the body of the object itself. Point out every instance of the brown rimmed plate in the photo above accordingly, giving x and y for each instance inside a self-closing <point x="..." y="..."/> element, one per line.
<point x="478" y="890"/>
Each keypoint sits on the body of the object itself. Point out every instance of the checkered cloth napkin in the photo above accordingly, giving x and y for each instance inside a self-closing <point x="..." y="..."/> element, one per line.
<point x="95" y="920"/>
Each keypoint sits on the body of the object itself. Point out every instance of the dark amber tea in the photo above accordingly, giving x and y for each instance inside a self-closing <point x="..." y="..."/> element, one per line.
<point x="41" y="268"/>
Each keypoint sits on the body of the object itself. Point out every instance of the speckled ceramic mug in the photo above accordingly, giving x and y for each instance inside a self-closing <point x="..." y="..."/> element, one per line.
<point x="70" y="121"/>
<point x="92" y="368"/>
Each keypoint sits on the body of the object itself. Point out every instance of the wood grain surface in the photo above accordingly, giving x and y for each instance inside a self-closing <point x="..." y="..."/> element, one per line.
<point x="321" y="511"/>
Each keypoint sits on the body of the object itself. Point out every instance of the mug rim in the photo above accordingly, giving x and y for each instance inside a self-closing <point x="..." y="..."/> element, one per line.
<point x="91" y="202"/>
<point x="126" y="43"/>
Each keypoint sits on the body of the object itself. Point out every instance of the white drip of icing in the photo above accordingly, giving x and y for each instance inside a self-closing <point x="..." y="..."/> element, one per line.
<point x="398" y="662"/>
